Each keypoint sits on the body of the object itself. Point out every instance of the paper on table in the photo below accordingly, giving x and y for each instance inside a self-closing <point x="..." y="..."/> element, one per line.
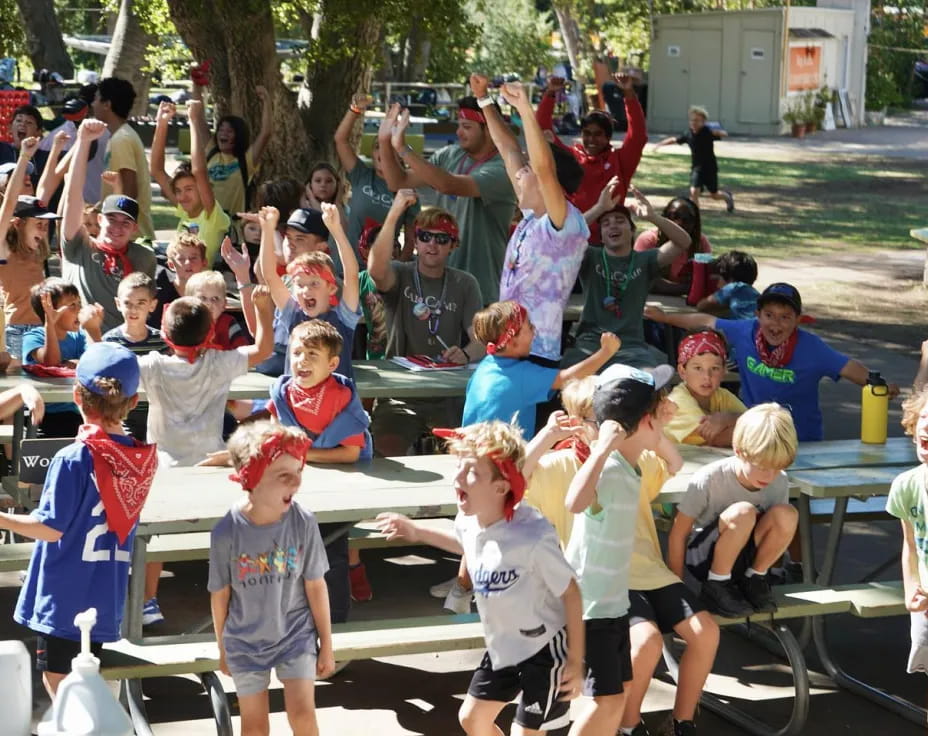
<point x="425" y="363"/>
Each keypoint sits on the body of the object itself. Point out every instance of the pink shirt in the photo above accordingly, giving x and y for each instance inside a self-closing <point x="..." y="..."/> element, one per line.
<point x="680" y="269"/>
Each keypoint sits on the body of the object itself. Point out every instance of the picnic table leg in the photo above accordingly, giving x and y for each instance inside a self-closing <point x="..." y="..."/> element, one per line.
<point x="725" y="709"/>
<point x="808" y="560"/>
<point x="130" y="695"/>
<point x="222" y="714"/>
<point x="132" y="621"/>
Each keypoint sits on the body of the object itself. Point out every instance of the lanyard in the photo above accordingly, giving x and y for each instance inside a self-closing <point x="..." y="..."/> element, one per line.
<point x="474" y="163"/>
<point x="421" y="310"/>
<point x="607" y="275"/>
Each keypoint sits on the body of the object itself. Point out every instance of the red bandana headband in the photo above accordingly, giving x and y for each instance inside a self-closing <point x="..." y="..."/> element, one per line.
<point x="189" y="352"/>
<point x="475" y="116"/>
<point x="701" y="342"/>
<point x="250" y="474"/>
<point x="512" y="329"/>
<point x="507" y="469"/>
<point x="444" y="225"/>
<point x="322" y="272"/>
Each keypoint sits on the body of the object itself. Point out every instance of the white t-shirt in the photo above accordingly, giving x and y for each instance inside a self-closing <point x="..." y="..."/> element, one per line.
<point x="187" y="402"/>
<point x="715" y="487"/>
<point x="519" y="575"/>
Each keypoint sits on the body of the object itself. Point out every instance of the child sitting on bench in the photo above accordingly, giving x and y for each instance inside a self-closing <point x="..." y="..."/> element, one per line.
<point x="735" y="520"/>
<point x="527" y="595"/>
<point x="268" y="595"/>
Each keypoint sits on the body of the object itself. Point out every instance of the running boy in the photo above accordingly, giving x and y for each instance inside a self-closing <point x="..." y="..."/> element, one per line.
<point x="527" y="597"/>
<point x="735" y="520"/>
<point x="706" y="412"/>
<point x="86" y="520"/>
<point x="604" y="497"/>
<point x="776" y="360"/>
<point x="506" y="382"/>
<point x="908" y="499"/>
<point x="267" y="592"/>
<point x="704" y="172"/>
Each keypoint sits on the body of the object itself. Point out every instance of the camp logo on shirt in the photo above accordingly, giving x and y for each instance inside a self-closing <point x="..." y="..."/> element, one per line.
<point x="494" y="581"/>
<point x="432" y="302"/>
<point x="269" y="567"/>
<point x="778" y="375"/>
<point x="618" y="279"/>
<point x="384" y="199"/>
<point x="221" y="172"/>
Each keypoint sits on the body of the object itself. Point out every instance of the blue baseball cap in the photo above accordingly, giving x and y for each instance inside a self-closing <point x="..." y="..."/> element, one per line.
<point x="308" y="221"/>
<point x="122" y="205"/>
<point x="109" y="360"/>
<point x="781" y="292"/>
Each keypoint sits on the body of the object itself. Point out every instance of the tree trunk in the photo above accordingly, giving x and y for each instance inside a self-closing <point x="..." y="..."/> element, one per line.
<point x="43" y="37"/>
<point x="126" y="56"/>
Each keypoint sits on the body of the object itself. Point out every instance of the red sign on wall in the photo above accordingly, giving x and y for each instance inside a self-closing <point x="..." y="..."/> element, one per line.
<point x="805" y="68"/>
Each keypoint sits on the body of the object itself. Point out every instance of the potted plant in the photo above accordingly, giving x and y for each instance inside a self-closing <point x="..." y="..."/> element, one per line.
<point x="795" y="119"/>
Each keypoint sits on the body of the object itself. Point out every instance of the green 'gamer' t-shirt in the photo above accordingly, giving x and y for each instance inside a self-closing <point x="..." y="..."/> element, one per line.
<point x="483" y="221"/>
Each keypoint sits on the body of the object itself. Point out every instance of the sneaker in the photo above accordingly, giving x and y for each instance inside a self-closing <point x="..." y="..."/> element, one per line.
<point x="724" y="598"/>
<point x="459" y="599"/>
<point x="360" y="587"/>
<point x="793" y="572"/>
<point x="729" y="201"/>
<point x="441" y="590"/>
<point x="756" y="591"/>
<point x="151" y="613"/>
<point x="640" y="730"/>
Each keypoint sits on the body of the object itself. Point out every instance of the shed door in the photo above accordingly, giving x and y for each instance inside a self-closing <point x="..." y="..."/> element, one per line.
<point x="756" y="91"/>
<point x="706" y="71"/>
<point x="670" y="100"/>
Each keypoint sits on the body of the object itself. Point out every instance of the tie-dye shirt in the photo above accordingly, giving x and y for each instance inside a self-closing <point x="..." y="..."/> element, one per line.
<point x="539" y="272"/>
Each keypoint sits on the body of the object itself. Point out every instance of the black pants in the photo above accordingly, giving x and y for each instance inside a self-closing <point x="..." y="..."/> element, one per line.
<point x="337" y="577"/>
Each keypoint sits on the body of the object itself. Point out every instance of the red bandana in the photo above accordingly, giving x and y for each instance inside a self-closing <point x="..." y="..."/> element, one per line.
<point x="699" y="343"/>
<point x="507" y="469"/>
<point x="581" y="448"/>
<point x="123" y="474"/>
<point x="115" y="262"/>
<point x="50" y="371"/>
<point x="307" y="402"/>
<point x="512" y="329"/>
<point x="779" y="356"/>
<point x="321" y="271"/>
<point x="444" y="225"/>
<point x="367" y="237"/>
<point x="250" y="474"/>
<point x="475" y="116"/>
<point x="190" y="352"/>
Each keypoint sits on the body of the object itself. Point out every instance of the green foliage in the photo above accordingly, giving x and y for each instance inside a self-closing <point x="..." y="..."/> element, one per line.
<point x="12" y="39"/>
<point x="889" y="72"/>
<point x="515" y="38"/>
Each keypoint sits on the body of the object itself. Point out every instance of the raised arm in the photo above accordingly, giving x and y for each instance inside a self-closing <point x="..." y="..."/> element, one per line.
<point x="14" y="187"/>
<point x="679" y="240"/>
<point x="545" y="112"/>
<point x="52" y="175"/>
<point x="395" y="175"/>
<point x="267" y="123"/>
<point x="166" y="111"/>
<point x="239" y="262"/>
<point x="581" y="493"/>
<point x="691" y="321"/>
<point x="609" y="198"/>
<point x="539" y="155"/>
<point x="267" y="219"/>
<point x="380" y="258"/>
<point x="351" y="288"/>
<point x="73" y="196"/>
<point x="347" y="156"/>
<point x="636" y="135"/>
<point x="198" y="157"/>
<point x="500" y="133"/>
<point x="264" y="328"/>
<point x="557" y="428"/>
<point x="609" y="345"/>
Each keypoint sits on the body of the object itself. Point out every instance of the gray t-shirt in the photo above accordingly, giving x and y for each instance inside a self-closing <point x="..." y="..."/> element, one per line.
<point x="715" y="487"/>
<point x="82" y="265"/>
<point x="409" y="335"/>
<point x="519" y="575"/>
<point x="370" y="198"/>
<point x="269" y="619"/>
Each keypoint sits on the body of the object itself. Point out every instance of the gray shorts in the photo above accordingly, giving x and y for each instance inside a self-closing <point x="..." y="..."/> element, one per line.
<point x="302" y="667"/>
<point x="918" y="655"/>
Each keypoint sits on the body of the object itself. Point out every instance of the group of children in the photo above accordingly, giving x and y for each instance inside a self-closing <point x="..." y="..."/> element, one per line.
<point x="556" y="533"/>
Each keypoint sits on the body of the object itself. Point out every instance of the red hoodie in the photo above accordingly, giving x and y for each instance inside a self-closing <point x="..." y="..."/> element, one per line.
<point x="598" y="170"/>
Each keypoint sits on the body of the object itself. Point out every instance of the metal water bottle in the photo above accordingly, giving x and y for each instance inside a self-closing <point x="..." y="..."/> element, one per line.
<point x="874" y="410"/>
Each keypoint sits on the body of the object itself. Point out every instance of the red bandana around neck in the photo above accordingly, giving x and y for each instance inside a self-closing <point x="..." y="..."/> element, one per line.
<point x="123" y="474"/>
<point x="115" y="262"/>
<point x="699" y="343"/>
<point x="508" y="470"/>
<point x="322" y="272"/>
<point x="306" y="402"/>
<point x="581" y="449"/>
<point x="512" y="329"/>
<point x="779" y="356"/>
<point x="475" y="116"/>
<point x="250" y="474"/>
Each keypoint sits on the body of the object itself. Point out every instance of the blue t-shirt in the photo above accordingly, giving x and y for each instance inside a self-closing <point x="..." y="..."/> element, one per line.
<point x="87" y="567"/>
<point x="339" y="316"/>
<point x="795" y="385"/>
<point x="72" y="348"/>
<point x="740" y="298"/>
<point x="501" y="387"/>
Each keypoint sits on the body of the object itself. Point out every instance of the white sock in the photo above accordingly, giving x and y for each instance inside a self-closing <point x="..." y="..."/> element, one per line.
<point x="751" y="571"/>
<point x="628" y="731"/>
<point x="719" y="578"/>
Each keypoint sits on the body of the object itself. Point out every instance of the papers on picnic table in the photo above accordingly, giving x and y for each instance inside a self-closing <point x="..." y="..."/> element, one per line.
<point x="425" y="363"/>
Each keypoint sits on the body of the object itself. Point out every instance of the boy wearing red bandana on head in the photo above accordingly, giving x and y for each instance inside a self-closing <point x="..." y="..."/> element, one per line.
<point x="506" y="385"/>
<point x="706" y="412"/>
<point x="94" y="490"/>
<point x="527" y="594"/>
<point x="777" y="361"/>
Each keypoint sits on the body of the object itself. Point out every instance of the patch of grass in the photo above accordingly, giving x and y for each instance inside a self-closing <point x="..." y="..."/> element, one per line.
<point x="163" y="216"/>
<point x="789" y="209"/>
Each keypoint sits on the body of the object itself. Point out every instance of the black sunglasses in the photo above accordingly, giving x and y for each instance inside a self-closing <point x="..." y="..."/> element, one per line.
<point x="427" y="236"/>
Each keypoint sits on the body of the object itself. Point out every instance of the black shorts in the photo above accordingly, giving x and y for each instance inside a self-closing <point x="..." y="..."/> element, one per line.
<point x="705" y="177"/>
<point x="666" y="606"/>
<point x="701" y="549"/>
<point x="54" y="654"/>
<point x="538" y="677"/>
<point x="608" y="656"/>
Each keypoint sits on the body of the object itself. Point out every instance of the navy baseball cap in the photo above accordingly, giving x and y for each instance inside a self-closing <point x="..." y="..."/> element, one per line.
<point x="27" y="206"/>
<point x="122" y="205"/>
<point x="308" y="221"/>
<point x="784" y="293"/>
<point x="624" y="393"/>
<point x="109" y="360"/>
